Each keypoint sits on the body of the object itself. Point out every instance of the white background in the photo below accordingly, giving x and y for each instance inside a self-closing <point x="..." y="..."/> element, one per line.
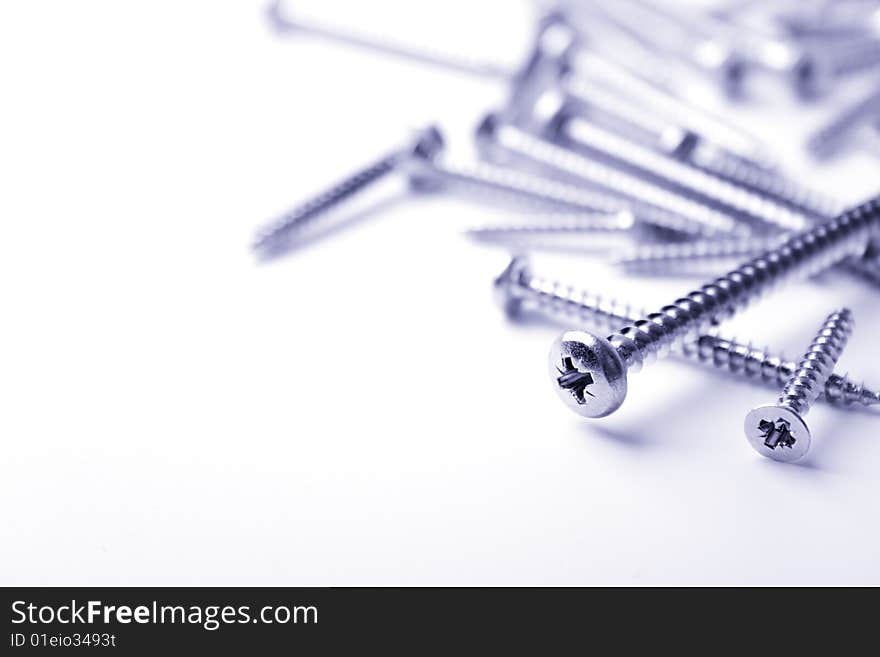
<point x="173" y="412"/>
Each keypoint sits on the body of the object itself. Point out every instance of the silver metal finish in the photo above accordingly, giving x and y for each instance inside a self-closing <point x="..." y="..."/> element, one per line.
<point x="564" y="127"/>
<point x="582" y="233"/>
<point x="284" y="22"/>
<point x="604" y="362"/>
<point x="419" y="159"/>
<point x="609" y="111"/>
<point x="519" y="290"/>
<point x="657" y="257"/>
<point x="500" y="140"/>
<point x="778" y="431"/>
<point x="278" y="235"/>
<point x="689" y="43"/>
<point x="642" y="93"/>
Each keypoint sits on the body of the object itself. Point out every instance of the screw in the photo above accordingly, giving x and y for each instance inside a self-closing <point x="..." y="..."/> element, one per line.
<point x="613" y="92"/>
<point x="419" y="159"/>
<point x="830" y="138"/>
<point x="712" y="129"/>
<point x="277" y="236"/>
<point x="559" y="123"/>
<point x="778" y="431"/>
<point x="607" y="360"/>
<point x="662" y="31"/>
<point x="597" y="232"/>
<point x="673" y="257"/>
<point x="501" y="140"/>
<point x="768" y="49"/>
<point x="658" y="257"/>
<point x="284" y="22"/>
<point x="517" y="289"/>
<point x="591" y="99"/>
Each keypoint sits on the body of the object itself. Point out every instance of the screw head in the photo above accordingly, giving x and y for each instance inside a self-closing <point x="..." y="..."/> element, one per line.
<point x="426" y="144"/>
<point x="587" y="374"/>
<point x="777" y="432"/>
<point x="505" y="285"/>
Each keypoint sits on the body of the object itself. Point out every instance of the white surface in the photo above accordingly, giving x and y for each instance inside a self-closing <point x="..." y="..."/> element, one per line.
<point x="358" y="412"/>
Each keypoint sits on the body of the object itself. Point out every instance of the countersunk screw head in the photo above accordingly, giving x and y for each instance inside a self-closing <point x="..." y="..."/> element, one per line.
<point x="588" y="374"/>
<point x="777" y="432"/>
<point x="505" y="286"/>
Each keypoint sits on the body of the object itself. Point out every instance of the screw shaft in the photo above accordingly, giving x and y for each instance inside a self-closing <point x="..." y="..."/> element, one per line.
<point x="695" y="119"/>
<point x="654" y="257"/>
<point x="487" y="179"/>
<point x="689" y="181"/>
<point x="564" y="303"/>
<point x="817" y="363"/>
<point x="641" y="124"/>
<point x="594" y="228"/>
<point x="641" y="195"/>
<point x="279" y="232"/>
<point x="803" y="255"/>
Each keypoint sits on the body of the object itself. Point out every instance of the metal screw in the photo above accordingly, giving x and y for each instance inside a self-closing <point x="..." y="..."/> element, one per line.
<point x="778" y="431"/>
<point x="569" y="232"/>
<point x="692" y="44"/>
<point x="589" y="98"/>
<point x="419" y="159"/>
<point x="501" y="140"/>
<point x="284" y="22"/>
<point x="712" y="129"/>
<point x="620" y="100"/>
<point x="559" y="123"/>
<point x="277" y="236"/>
<point x="518" y="289"/>
<point x="830" y="138"/>
<point x="658" y="257"/>
<point x="673" y="257"/>
<point x="589" y="101"/>
<point x="766" y="49"/>
<point x="607" y="360"/>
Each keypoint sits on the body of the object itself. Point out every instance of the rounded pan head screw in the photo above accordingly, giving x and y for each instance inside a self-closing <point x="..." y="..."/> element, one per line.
<point x="427" y="143"/>
<point x="588" y="374"/>
<point x="506" y="285"/>
<point x="777" y="432"/>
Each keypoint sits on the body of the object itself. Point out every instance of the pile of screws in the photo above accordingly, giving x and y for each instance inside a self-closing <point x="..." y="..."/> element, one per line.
<point x="598" y="136"/>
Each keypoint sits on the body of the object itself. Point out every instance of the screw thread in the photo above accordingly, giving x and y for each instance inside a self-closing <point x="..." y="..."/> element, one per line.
<point x="655" y="257"/>
<point x="279" y="232"/>
<point x="687" y="180"/>
<point x="818" y="362"/>
<point x="693" y="119"/>
<point x="486" y="178"/>
<point x="801" y="256"/>
<point x="710" y="128"/>
<point x="564" y="303"/>
<point x="560" y="302"/>
<point x="777" y="187"/>
<point x="639" y="194"/>
<point x="557" y="225"/>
